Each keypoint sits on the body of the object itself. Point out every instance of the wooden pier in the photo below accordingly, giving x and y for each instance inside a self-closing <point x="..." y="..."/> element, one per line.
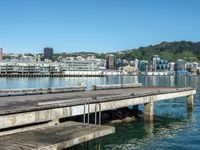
<point x="34" y="91"/>
<point x="54" y="137"/>
<point x="24" y="115"/>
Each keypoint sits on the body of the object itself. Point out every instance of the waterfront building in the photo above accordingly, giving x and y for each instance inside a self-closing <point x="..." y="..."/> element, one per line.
<point x="162" y="65"/>
<point x="110" y="61"/>
<point x="28" y="67"/>
<point x="136" y="63"/>
<point x="156" y="59"/>
<point x="118" y="64"/>
<point x="1" y="54"/>
<point x="159" y="64"/>
<point x="172" y="66"/>
<point x="143" y="66"/>
<point x="192" y="67"/>
<point x="150" y="67"/>
<point x="180" y="67"/>
<point x="101" y="63"/>
<point x="48" y="53"/>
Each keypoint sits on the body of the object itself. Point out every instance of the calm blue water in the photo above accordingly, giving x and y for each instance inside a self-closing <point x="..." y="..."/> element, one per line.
<point x="173" y="127"/>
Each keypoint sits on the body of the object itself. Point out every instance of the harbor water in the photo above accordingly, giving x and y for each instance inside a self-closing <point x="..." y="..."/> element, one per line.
<point x="173" y="128"/>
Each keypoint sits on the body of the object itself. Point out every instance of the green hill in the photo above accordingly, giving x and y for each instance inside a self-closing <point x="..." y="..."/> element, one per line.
<point x="171" y="51"/>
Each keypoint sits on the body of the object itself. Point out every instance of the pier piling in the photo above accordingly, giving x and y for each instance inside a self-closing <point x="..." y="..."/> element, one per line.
<point x="190" y="102"/>
<point x="148" y="111"/>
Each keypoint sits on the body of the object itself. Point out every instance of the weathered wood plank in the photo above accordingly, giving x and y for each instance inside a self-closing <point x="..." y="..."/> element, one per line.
<point x="23" y="129"/>
<point x="32" y="91"/>
<point x="55" y="137"/>
<point x="116" y="86"/>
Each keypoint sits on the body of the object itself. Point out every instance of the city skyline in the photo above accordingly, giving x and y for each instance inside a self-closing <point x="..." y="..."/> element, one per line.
<point x="96" y="26"/>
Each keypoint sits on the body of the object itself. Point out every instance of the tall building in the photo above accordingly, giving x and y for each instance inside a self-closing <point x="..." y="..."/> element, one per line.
<point x="1" y="54"/>
<point x="110" y="61"/>
<point x="48" y="53"/>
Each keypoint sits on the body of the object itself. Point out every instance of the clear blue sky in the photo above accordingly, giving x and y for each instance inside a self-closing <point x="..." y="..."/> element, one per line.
<point x="95" y="25"/>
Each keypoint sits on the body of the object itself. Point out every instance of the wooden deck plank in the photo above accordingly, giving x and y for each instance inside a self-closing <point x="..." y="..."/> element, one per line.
<point x="33" y="91"/>
<point x="54" y="138"/>
<point x="17" y="104"/>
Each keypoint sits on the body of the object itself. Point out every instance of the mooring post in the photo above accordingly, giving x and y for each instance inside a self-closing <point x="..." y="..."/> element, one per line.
<point x="190" y="102"/>
<point x="148" y="111"/>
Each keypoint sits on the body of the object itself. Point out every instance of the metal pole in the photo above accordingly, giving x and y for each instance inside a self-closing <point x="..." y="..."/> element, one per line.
<point x="88" y="113"/>
<point x="96" y="114"/>
<point x="84" y="113"/>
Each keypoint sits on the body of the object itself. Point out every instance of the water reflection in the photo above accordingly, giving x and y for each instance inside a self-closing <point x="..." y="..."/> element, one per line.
<point x="138" y="135"/>
<point x="44" y="82"/>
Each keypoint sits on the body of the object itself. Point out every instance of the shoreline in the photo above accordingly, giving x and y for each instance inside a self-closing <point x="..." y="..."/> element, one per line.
<point x="62" y="75"/>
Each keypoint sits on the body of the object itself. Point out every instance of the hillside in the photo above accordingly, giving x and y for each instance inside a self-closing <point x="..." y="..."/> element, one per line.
<point x="171" y="51"/>
<point x="190" y="51"/>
